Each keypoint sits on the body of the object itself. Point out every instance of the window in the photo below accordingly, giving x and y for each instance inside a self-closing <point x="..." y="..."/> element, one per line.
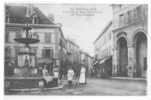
<point x="35" y="50"/>
<point x="145" y="63"/>
<point x="47" y="53"/>
<point x="35" y="20"/>
<point x="7" y="19"/>
<point x="145" y="10"/>
<point x="110" y="35"/>
<point x="17" y="50"/>
<point x="47" y="37"/>
<point x="12" y="20"/>
<point x="139" y="12"/>
<point x="35" y="35"/>
<point x="7" y="52"/>
<point x="12" y="35"/>
<point x="62" y="44"/>
<point x="129" y="16"/>
<point x="7" y="36"/>
<point x="125" y="19"/>
<point x="135" y="14"/>
<point x="121" y="20"/>
<point x="18" y="34"/>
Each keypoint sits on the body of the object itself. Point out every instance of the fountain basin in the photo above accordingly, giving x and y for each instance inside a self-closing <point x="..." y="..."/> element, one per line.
<point x="12" y="83"/>
<point x="27" y="40"/>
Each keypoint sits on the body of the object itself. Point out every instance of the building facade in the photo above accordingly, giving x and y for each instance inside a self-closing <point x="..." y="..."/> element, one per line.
<point x="130" y="40"/>
<point x="104" y="43"/>
<point x="87" y="61"/>
<point x="104" y="49"/>
<point x="49" y="34"/>
<point x="73" y="52"/>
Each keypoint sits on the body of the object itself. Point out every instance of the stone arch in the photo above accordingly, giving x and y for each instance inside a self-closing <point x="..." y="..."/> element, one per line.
<point x="122" y="53"/>
<point x="140" y="41"/>
<point x="141" y="29"/>
<point x="120" y="35"/>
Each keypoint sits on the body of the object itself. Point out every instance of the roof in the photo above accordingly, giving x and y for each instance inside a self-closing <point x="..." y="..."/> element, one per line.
<point x="19" y="11"/>
<point x="68" y="40"/>
<point x="42" y="16"/>
<point x="103" y="31"/>
<point x="85" y="53"/>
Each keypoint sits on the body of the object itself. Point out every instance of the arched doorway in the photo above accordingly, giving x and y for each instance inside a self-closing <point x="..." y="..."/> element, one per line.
<point x="123" y="56"/>
<point x="141" y="54"/>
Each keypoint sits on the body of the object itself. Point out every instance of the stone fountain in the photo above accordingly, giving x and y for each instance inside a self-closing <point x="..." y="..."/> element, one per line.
<point x="25" y="73"/>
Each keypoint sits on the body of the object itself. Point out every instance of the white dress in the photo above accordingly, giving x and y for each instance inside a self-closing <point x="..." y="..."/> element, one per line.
<point x="82" y="75"/>
<point x="44" y="72"/>
<point x="70" y="74"/>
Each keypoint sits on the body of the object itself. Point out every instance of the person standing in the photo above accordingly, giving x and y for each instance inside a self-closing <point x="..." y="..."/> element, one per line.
<point x="82" y="78"/>
<point x="26" y="62"/>
<point x="56" y="75"/>
<point x="45" y="71"/>
<point x="70" y="75"/>
<point x="10" y="68"/>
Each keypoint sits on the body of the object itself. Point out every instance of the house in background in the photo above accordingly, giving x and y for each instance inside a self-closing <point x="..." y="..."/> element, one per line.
<point x="104" y="50"/>
<point x="50" y="34"/>
<point x="130" y="40"/>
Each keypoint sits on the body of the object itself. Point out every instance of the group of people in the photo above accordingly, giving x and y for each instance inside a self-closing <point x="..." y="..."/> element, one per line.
<point x="81" y="79"/>
<point x="9" y="69"/>
<point x="70" y="75"/>
<point x="47" y="70"/>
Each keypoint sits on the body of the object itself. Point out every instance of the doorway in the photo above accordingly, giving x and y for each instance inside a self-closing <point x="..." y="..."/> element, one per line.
<point x="123" y="56"/>
<point x="141" y="54"/>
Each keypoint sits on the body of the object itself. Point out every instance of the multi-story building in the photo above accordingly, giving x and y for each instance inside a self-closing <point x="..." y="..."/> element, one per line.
<point x="87" y="60"/>
<point x="50" y="34"/>
<point x="73" y="56"/>
<point x="73" y="52"/>
<point x="104" y="47"/>
<point x="130" y="40"/>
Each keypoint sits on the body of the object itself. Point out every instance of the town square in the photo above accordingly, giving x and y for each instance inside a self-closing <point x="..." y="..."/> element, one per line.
<point x="76" y="49"/>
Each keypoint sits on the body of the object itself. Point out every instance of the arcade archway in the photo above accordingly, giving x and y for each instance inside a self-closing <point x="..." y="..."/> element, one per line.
<point x="123" y="56"/>
<point x="141" y="54"/>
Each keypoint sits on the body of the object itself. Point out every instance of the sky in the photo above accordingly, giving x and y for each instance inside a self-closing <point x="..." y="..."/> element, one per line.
<point x="80" y="22"/>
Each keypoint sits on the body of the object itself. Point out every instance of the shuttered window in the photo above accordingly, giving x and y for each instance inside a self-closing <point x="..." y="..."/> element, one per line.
<point x="7" y="52"/>
<point x="139" y="11"/>
<point x="18" y="34"/>
<point x="47" y="53"/>
<point x="47" y="37"/>
<point x="7" y="36"/>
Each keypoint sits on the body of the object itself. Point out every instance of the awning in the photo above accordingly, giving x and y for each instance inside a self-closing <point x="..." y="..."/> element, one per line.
<point x="104" y="59"/>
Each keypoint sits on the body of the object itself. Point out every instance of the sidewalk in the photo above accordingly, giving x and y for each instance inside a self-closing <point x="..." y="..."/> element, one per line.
<point x="65" y="82"/>
<point x="36" y="89"/>
<point x="129" y="78"/>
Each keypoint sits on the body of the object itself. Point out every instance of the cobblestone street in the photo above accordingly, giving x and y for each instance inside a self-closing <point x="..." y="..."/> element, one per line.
<point x="99" y="87"/>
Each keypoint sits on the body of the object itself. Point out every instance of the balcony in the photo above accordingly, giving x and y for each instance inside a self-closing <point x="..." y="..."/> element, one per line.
<point x="133" y="16"/>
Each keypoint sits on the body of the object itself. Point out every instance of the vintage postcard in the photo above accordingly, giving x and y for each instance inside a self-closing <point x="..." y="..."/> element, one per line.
<point x="75" y="49"/>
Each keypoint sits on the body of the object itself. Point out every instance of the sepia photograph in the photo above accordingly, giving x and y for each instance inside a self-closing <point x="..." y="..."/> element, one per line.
<point x="75" y="49"/>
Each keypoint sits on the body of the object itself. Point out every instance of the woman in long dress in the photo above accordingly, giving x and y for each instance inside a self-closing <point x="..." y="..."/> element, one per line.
<point x="45" y="71"/>
<point x="82" y="79"/>
<point x="70" y="76"/>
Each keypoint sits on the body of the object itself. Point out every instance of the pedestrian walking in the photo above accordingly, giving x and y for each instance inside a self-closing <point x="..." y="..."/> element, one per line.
<point x="56" y="75"/>
<point x="45" y="71"/>
<point x="82" y="78"/>
<point x="70" y="76"/>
